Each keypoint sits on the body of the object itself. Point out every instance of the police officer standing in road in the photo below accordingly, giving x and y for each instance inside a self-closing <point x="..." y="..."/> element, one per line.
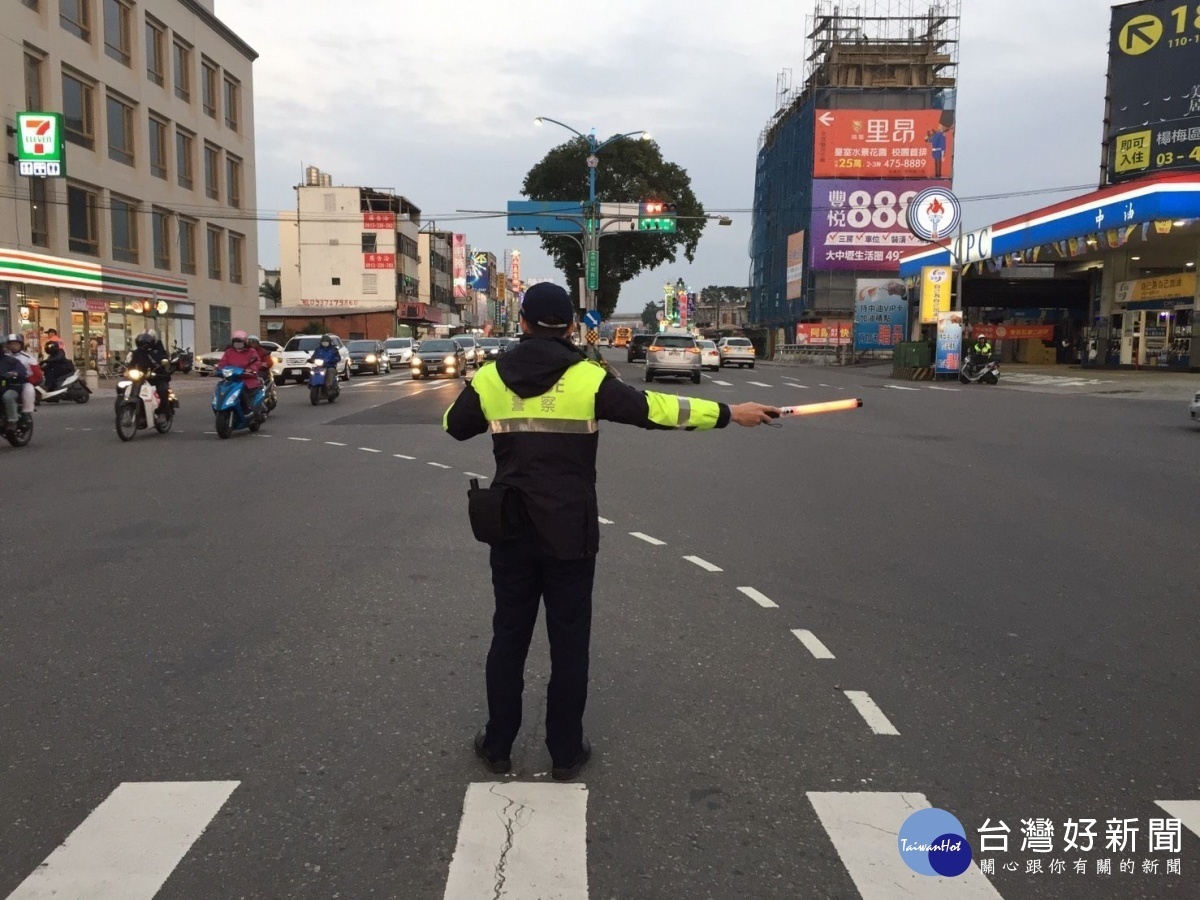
<point x="541" y="401"/>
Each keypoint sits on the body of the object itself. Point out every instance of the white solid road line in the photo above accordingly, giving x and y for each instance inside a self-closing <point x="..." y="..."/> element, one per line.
<point x="649" y="540"/>
<point x="865" y="828"/>
<point x="723" y="383"/>
<point x="871" y="713"/>
<point x="334" y="444"/>
<point x="704" y="564"/>
<point x="758" y="384"/>
<point x="1186" y="811"/>
<point x="439" y="465"/>
<point x="521" y="840"/>
<point x="402" y="456"/>
<point x="369" y="450"/>
<point x="896" y="387"/>
<point x="127" y="848"/>
<point x="604" y="521"/>
<point x="813" y="643"/>
<point x="759" y="597"/>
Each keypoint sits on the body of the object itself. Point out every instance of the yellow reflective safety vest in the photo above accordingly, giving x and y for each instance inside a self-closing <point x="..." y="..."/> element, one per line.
<point x="569" y="407"/>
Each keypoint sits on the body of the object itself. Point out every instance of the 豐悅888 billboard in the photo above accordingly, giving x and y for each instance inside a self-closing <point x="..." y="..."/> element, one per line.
<point x="862" y="224"/>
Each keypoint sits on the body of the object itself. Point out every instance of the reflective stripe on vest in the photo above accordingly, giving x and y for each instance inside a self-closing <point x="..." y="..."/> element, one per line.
<point x="569" y="407"/>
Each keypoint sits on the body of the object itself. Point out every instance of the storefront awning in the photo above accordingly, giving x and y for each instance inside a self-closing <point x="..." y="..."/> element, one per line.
<point x="1110" y="213"/>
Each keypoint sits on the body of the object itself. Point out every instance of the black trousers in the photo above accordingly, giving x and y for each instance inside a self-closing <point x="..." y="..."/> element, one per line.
<point x="523" y="575"/>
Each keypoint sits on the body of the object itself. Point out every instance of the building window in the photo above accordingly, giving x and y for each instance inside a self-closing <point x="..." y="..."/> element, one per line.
<point x="120" y="131"/>
<point x="76" y="17"/>
<point x="208" y="88"/>
<point x="158" y="147"/>
<point x="220" y="324"/>
<point x="33" y="81"/>
<point x="39" y="220"/>
<point x="233" y="180"/>
<point x="116" y="30"/>
<point x="237" y="244"/>
<point x="160" y="228"/>
<point x="233" y="103"/>
<point x="369" y="242"/>
<point x="187" y="246"/>
<point x="214" y="253"/>
<point x="184" y="143"/>
<point x="82" y="232"/>
<point x="212" y="172"/>
<point x="124" y="230"/>
<point x="77" y="111"/>
<point x="156" y="64"/>
<point x="370" y="283"/>
<point x="181" y="62"/>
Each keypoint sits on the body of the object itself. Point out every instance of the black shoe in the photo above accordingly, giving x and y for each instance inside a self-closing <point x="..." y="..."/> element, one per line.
<point x="566" y="773"/>
<point x="495" y="766"/>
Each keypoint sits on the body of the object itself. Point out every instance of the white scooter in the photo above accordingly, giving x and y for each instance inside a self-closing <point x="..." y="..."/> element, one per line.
<point x="70" y="388"/>
<point x="988" y="373"/>
<point x="138" y="406"/>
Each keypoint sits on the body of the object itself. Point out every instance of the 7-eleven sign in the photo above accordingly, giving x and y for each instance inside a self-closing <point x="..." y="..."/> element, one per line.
<point x="41" y="145"/>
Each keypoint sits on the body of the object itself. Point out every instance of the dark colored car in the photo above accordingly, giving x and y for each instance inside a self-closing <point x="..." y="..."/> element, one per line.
<point x="439" y="356"/>
<point x="368" y="356"/>
<point x="490" y="349"/>
<point x="638" y="346"/>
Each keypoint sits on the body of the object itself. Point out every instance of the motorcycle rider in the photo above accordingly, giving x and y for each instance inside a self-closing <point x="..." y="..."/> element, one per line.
<point x="329" y="355"/>
<point x="264" y="368"/>
<point x="56" y="366"/>
<point x="16" y="347"/>
<point x="981" y="352"/>
<point x="241" y="355"/>
<point x="12" y="376"/>
<point x="150" y="356"/>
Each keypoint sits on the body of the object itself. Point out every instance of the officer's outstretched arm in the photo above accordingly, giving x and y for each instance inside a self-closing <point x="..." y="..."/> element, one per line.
<point x="617" y="401"/>
<point x="464" y="419"/>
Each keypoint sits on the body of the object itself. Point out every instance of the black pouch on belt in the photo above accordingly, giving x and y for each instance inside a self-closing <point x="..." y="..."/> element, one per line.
<point x="497" y="513"/>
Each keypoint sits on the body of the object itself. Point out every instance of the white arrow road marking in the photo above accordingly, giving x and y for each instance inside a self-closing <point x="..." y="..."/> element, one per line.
<point x="128" y="847"/>
<point x="870" y="712"/>
<point x="759" y="597"/>
<point x="704" y="564"/>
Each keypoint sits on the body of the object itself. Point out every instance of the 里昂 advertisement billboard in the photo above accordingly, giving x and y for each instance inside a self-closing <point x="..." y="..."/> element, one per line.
<point x="458" y="254"/>
<point x="880" y="313"/>
<point x="795" y="265"/>
<point x="824" y="334"/>
<point x="862" y="224"/>
<point x="936" y="285"/>
<point x="858" y="143"/>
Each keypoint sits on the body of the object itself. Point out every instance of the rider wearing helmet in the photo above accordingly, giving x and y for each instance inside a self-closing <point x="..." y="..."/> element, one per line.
<point x="13" y="373"/>
<point x="264" y="368"/>
<point x="240" y="354"/>
<point x="56" y="366"/>
<point x="150" y="356"/>
<point x="329" y="355"/>
<point x="16" y="348"/>
<point x="981" y="352"/>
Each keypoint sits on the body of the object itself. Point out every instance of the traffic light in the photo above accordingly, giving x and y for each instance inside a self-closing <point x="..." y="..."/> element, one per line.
<point x="656" y="215"/>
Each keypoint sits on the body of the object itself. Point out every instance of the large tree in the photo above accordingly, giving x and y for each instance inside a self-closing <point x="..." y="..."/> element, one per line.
<point x="629" y="171"/>
<point x="650" y="314"/>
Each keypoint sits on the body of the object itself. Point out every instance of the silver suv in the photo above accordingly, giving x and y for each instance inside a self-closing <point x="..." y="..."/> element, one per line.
<point x="673" y="354"/>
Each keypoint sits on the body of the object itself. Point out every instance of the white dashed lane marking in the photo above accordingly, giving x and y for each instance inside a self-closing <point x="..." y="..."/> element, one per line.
<point x="474" y="475"/>
<point x="871" y="713"/>
<point x="814" y="645"/>
<point x="723" y="383"/>
<point x="649" y="540"/>
<point x="604" y="521"/>
<point x="299" y="439"/>
<point x="438" y="465"/>
<point x="951" y="390"/>
<point x="759" y="597"/>
<point x="896" y="387"/>
<point x="334" y="444"/>
<point x="704" y="564"/>
<point x="402" y="456"/>
<point x="369" y="450"/>
<point x="758" y="384"/>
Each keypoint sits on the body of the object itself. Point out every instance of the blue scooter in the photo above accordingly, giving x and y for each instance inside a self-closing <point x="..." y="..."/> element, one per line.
<point x="323" y="382"/>
<point x="227" y="403"/>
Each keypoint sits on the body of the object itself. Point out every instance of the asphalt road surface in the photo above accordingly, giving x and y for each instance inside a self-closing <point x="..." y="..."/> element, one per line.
<point x="252" y="668"/>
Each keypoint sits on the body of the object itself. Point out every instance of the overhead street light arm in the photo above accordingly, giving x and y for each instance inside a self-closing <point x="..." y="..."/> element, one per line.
<point x="641" y="135"/>
<point x="540" y="119"/>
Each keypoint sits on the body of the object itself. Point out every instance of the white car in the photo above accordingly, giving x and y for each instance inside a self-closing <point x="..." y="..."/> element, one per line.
<point x="399" y="350"/>
<point x="470" y="347"/>
<point x="1196" y="408"/>
<point x="206" y="363"/>
<point x="736" y="351"/>
<point x="710" y="357"/>
<point x="299" y="349"/>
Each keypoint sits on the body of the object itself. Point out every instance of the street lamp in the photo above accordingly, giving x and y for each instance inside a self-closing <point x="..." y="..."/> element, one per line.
<point x="593" y="147"/>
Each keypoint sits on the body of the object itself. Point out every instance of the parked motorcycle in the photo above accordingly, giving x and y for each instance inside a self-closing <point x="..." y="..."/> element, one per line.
<point x="227" y="403"/>
<point x="138" y="406"/>
<point x="182" y="360"/>
<point x="974" y="373"/>
<point x="322" y="383"/>
<point x="70" y="388"/>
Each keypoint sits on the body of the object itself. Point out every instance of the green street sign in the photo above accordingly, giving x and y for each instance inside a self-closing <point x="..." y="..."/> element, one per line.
<point x="593" y="270"/>
<point x="41" y="145"/>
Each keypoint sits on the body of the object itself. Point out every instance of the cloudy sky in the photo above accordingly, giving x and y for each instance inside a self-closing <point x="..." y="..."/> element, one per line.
<point x="437" y="101"/>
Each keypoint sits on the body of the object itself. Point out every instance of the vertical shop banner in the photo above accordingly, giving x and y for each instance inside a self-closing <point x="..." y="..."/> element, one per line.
<point x="795" y="265"/>
<point x="880" y="313"/>
<point x="863" y="224"/>
<point x="458" y="253"/>
<point x="477" y="271"/>
<point x="869" y="143"/>
<point x="936" y="284"/>
<point x="949" y="342"/>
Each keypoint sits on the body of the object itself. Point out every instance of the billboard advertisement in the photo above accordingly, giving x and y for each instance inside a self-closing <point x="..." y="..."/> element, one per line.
<point x="862" y="224"/>
<point x="477" y="271"/>
<point x="937" y="282"/>
<point x="1154" y="88"/>
<point x="824" y="334"/>
<point x="949" y="342"/>
<point x="868" y="143"/>
<point x="880" y="313"/>
<point x="458" y="261"/>
<point x="795" y="265"/>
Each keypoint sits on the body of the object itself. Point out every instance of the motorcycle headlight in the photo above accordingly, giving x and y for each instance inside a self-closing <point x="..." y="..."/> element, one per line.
<point x="371" y="357"/>
<point x="135" y="374"/>
<point x="318" y="364"/>
<point x="227" y="373"/>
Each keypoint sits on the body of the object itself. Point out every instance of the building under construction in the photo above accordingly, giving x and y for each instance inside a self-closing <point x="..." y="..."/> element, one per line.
<point x="871" y="125"/>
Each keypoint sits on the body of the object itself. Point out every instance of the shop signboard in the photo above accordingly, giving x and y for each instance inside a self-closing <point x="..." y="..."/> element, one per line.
<point x="379" y="221"/>
<point x="824" y="334"/>
<point x="458" y="256"/>
<point x="41" y="145"/>
<point x="936" y="283"/>
<point x="862" y="224"/>
<point x="477" y="271"/>
<point x="880" y="314"/>
<point x="1015" y="332"/>
<point x="1163" y="287"/>
<point x="379" y="260"/>
<point x="949" y="342"/>
<point x="795" y="265"/>
<point x="858" y="143"/>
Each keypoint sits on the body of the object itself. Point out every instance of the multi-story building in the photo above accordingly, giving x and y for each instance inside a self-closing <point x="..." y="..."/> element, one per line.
<point x="152" y="223"/>
<point x="349" y="257"/>
<point x="437" y="280"/>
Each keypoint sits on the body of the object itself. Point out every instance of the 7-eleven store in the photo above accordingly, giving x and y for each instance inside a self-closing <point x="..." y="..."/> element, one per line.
<point x="96" y="309"/>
